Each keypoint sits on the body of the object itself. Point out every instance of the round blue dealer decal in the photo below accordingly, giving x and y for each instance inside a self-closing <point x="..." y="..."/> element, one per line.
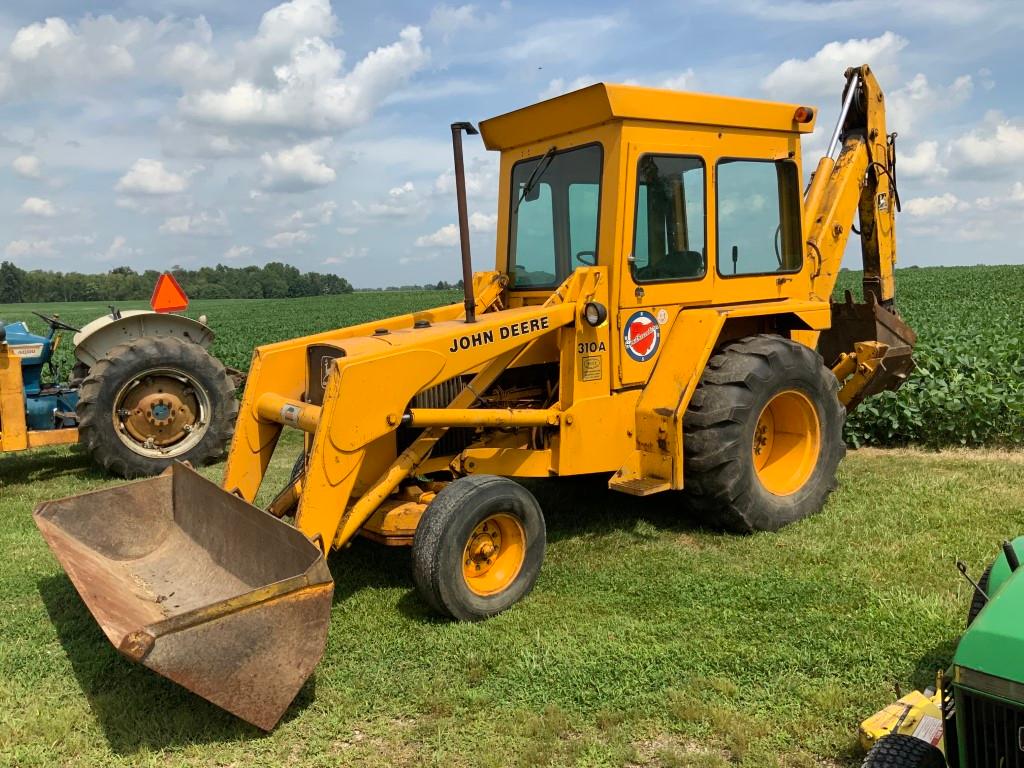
<point x="642" y="335"/>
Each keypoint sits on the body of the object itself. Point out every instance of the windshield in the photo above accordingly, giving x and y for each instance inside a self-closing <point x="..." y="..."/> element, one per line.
<point x="554" y="212"/>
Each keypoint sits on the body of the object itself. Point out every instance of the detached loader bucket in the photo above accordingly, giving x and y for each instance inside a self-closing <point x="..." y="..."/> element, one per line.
<point x="854" y="322"/>
<point x="199" y="586"/>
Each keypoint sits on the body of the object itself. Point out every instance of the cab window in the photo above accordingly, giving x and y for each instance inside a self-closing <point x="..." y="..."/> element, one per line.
<point x="758" y="217"/>
<point x="554" y="216"/>
<point x="668" y="238"/>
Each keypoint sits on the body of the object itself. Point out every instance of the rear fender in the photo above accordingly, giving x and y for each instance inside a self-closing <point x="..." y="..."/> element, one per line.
<point x="104" y="333"/>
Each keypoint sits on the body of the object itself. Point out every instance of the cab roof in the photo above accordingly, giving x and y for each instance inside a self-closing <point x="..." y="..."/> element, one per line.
<point x="603" y="102"/>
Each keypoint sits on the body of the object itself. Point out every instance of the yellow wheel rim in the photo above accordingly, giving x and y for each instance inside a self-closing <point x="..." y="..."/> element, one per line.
<point x="494" y="554"/>
<point x="787" y="442"/>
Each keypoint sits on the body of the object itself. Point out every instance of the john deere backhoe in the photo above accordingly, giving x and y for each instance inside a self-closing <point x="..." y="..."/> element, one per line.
<point x="659" y="311"/>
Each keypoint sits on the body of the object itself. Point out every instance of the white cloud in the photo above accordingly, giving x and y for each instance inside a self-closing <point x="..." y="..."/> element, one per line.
<point x="821" y="74"/>
<point x="202" y="224"/>
<point x="297" y="169"/>
<point x="118" y="250"/>
<point x="149" y="177"/>
<point x="561" y="39"/>
<point x="922" y="162"/>
<point x="448" y="235"/>
<point x="934" y="206"/>
<point x="401" y="202"/>
<point x="307" y="218"/>
<point x="559" y="86"/>
<point x="996" y="146"/>
<point x="291" y="76"/>
<point x="287" y="239"/>
<point x="237" y="252"/>
<point x="27" y="166"/>
<point x="21" y="248"/>
<point x="38" y="206"/>
<point x="446" y="20"/>
<point x="481" y="178"/>
<point x="34" y="40"/>
<point x="918" y="100"/>
<point x="348" y="255"/>
<point x="684" y="81"/>
<point x="930" y="11"/>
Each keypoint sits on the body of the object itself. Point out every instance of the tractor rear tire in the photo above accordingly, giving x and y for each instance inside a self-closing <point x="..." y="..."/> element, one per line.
<point x="978" y="601"/>
<point x="109" y="384"/>
<point x="763" y="435"/>
<point x="899" y="750"/>
<point x="478" y="547"/>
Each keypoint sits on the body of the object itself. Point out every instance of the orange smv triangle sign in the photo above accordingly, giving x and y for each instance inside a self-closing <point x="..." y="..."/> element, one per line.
<point x="168" y="296"/>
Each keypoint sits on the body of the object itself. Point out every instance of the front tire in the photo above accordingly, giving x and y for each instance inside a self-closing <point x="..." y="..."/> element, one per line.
<point x="478" y="547"/>
<point x="899" y="750"/>
<point x="154" y="401"/>
<point x="763" y="435"/>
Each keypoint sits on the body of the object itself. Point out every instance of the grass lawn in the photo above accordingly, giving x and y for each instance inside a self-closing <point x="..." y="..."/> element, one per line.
<point x="647" y="641"/>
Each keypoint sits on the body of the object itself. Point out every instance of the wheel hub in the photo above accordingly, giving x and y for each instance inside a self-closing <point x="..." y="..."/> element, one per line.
<point x="787" y="442"/>
<point x="158" y="411"/>
<point x="494" y="554"/>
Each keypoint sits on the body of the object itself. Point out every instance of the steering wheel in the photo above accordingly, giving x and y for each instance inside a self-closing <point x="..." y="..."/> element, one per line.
<point x="777" y="242"/>
<point x="56" y="323"/>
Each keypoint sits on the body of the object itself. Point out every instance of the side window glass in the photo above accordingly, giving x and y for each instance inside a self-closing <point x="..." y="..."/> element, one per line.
<point x="668" y="239"/>
<point x="583" y="202"/>
<point x="535" y="238"/>
<point x="758" y="217"/>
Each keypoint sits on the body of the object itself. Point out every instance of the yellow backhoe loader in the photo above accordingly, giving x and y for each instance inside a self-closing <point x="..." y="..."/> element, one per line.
<point x="659" y="311"/>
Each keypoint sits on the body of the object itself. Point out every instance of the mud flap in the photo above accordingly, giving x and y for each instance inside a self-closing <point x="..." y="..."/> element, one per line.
<point x="199" y="586"/>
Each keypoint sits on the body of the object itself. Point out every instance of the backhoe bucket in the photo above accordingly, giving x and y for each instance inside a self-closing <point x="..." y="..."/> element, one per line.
<point x="199" y="586"/>
<point x="870" y="321"/>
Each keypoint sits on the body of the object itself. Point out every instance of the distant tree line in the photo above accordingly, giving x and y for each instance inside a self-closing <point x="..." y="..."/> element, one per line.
<point x="270" y="281"/>
<point x="440" y="285"/>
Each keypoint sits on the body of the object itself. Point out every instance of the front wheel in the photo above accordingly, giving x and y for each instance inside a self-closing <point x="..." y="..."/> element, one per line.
<point x="478" y="547"/>
<point x="899" y="750"/>
<point x="154" y="401"/>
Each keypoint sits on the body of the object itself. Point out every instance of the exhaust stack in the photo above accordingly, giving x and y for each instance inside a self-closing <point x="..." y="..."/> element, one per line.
<point x="460" y="194"/>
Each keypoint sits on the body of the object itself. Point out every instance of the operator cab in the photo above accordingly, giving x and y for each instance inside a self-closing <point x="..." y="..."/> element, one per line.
<point x="676" y="193"/>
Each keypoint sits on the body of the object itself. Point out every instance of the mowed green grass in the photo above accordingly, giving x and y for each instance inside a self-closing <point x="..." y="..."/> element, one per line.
<point x="648" y="639"/>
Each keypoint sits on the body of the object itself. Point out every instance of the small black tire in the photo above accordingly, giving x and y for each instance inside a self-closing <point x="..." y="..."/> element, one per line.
<point x="721" y="481"/>
<point x="899" y="750"/>
<point x="446" y="532"/>
<point x="123" y="363"/>
<point x="978" y="601"/>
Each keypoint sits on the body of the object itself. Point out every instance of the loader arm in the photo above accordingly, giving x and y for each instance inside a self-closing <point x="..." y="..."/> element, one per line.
<point x="868" y="346"/>
<point x="369" y="387"/>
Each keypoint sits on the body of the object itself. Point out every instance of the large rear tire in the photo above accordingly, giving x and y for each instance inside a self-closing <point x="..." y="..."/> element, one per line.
<point x="154" y="401"/>
<point x="763" y="435"/>
<point x="899" y="750"/>
<point x="478" y="547"/>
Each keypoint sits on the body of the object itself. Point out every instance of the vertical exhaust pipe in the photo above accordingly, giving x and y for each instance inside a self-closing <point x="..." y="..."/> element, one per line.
<point x="460" y="194"/>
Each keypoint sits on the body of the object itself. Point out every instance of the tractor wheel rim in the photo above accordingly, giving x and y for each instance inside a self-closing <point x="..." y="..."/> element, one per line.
<point x="787" y="442"/>
<point x="494" y="554"/>
<point x="161" y="413"/>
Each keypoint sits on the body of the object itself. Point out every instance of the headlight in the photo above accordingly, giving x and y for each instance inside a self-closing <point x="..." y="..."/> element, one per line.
<point x="594" y="313"/>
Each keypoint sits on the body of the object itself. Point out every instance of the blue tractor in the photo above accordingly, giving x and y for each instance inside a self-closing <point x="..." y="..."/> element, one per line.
<point x="144" y="391"/>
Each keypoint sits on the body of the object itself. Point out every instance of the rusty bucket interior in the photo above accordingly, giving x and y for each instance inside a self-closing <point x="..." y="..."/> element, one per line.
<point x="870" y="321"/>
<point x="199" y="586"/>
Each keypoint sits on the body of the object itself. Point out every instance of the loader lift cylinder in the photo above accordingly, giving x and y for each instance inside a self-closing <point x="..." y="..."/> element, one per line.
<point x="460" y="194"/>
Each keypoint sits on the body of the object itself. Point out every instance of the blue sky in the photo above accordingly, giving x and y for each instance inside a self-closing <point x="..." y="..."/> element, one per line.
<point x="187" y="132"/>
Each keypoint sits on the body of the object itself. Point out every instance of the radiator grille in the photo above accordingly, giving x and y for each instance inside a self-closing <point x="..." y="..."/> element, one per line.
<point x="439" y="396"/>
<point x="992" y="733"/>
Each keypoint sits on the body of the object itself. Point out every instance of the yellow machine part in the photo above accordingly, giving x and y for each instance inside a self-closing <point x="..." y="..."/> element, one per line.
<point x="14" y="433"/>
<point x="916" y="714"/>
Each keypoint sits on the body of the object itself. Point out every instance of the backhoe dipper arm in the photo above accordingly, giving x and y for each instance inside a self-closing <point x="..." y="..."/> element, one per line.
<point x="868" y="346"/>
<point x="861" y="179"/>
